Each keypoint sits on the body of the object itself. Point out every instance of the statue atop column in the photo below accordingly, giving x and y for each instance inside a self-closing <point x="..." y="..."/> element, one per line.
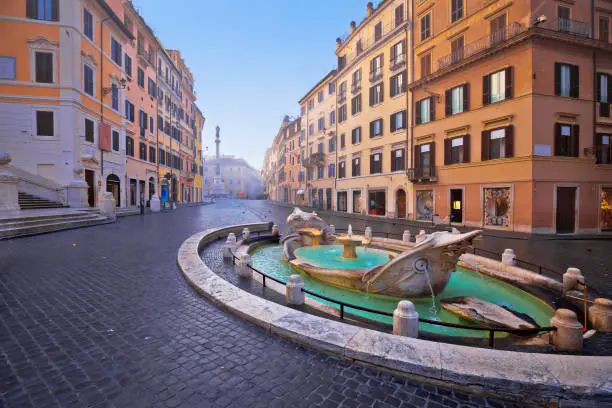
<point x="218" y="188"/>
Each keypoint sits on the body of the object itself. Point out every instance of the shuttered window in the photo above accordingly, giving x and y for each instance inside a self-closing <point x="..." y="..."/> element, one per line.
<point x="397" y="159"/>
<point x="88" y="80"/>
<point x="44" y="67"/>
<point x="604" y="93"/>
<point x="425" y="65"/>
<point x="498" y="86"/>
<point x="457" y="150"/>
<point x="89" y="130"/>
<point x="398" y="121"/>
<point x="567" y="139"/>
<point x="356" y="167"/>
<point x="425" y="27"/>
<point x="567" y="78"/>
<point x="116" y="142"/>
<point x="425" y="111"/>
<point x="498" y="143"/>
<point x="376" y="128"/>
<point x="376" y="163"/>
<point x="457" y="100"/>
<point x="44" y="123"/>
<point x="47" y="10"/>
<point x="152" y="154"/>
<point x="399" y="15"/>
<point x="356" y="135"/>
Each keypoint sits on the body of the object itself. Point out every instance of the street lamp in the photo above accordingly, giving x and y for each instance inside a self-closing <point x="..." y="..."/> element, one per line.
<point x="122" y="85"/>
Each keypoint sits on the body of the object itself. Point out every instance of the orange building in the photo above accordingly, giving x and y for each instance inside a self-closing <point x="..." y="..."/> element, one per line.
<point x="511" y="114"/>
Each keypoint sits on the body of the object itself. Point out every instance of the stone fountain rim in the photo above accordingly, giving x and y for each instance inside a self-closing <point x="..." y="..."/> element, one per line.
<point x="517" y="375"/>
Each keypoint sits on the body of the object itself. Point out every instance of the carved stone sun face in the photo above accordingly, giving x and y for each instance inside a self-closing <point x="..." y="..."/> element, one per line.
<point x="420" y="265"/>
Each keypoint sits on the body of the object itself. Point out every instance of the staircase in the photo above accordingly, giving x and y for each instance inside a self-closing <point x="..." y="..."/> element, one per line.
<point x="30" y="202"/>
<point x="40" y="222"/>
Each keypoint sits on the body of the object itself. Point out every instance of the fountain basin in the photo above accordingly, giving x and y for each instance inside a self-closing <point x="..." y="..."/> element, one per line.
<point x="330" y="256"/>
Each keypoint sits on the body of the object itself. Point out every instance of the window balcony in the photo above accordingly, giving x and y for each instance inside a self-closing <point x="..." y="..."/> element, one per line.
<point x="376" y="76"/>
<point x="356" y="87"/>
<point x="397" y="62"/>
<point x="484" y="43"/>
<point x="422" y="175"/>
<point x="145" y="55"/>
<point x="573" y="27"/>
<point x="341" y="98"/>
<point x="315" y="159"/>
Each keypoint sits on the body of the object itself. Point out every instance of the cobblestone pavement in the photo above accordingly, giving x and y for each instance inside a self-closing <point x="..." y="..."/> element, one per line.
<point x="590" y="255"/>
<point x="101" y="317"/>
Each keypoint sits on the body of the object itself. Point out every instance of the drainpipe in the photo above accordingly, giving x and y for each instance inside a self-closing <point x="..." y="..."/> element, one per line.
<point x="102" y="95"/>
<point x="337" y="138"/>
<point x="595" y="84"/>
<point x="410" y="98"/>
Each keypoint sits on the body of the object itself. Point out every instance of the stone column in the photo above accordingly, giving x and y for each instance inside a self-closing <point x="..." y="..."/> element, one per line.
<point x="242" y="267"/>
<point x="9" y="195"/>
<point x="406" y="320"/>
<point x="76" y="191"/>
<point x="228" y="247"/>
<point x="569" y="330"/>
<point x="155" y="203"/>
<point x="406" y="236"/>
<point x="293" y="290"/>
<point x="600" y="315"/>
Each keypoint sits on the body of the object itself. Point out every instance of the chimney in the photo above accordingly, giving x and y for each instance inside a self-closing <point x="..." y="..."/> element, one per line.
<point x="370" y="9"/>
<point x="353" y="24"/>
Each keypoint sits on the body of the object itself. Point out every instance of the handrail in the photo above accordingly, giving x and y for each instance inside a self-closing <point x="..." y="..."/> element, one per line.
<point x="343" y="305"/>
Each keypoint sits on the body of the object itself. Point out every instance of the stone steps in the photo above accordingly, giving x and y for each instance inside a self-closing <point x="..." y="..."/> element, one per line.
<point x="29" y="202"/>
<point x="12" y="228"/>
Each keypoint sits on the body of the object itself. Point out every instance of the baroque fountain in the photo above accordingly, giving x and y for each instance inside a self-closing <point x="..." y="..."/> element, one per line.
<point x="377" y="273"/>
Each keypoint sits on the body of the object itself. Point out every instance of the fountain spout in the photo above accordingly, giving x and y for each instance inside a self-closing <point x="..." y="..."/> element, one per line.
<point x="350" y="230"/>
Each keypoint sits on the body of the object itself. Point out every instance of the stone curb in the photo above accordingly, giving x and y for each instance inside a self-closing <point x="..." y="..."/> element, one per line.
<point x="543" y="378"/>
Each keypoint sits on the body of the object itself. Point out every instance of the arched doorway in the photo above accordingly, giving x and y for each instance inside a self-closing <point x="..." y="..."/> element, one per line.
<point x="113" y="185"/>
<point x="164" y="191"/>
<point x="400" y="203"/>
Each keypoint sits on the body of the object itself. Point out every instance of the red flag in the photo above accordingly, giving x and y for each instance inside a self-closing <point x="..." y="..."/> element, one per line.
<point x="105" y="137"/>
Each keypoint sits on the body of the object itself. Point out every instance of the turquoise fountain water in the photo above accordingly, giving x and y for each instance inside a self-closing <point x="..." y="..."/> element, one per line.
<point x="462" y="283"/>
<point x="330" y="256"/>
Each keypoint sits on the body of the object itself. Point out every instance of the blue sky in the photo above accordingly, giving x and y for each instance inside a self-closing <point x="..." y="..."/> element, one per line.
<point x="252" y="59"/>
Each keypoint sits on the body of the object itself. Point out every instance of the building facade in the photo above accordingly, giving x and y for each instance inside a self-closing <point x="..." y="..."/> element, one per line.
<point x="491" y="114"/>
<point x="81" y="111"/>
<point x="239" y="178"/>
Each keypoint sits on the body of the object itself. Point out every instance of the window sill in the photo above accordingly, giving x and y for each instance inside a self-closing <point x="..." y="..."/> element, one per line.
<point x="398" y="131"/>
<point x="398" y="95"/>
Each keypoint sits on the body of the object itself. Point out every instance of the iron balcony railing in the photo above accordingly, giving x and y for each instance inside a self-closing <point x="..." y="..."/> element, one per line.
<point x="423" y="174"/>
<point x="355" y="87"/>
<point x="397" y="62"/>
<point x="574" y="27"/>
<point x="482" y="44"/>
<point x="376" y="75"/>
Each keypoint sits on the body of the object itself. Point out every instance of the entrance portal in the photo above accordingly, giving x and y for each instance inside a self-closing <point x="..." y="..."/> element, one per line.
<point x="456" y="205"/>
<point x="90" y="179"/>
<point x="400" y="203"/>
<point x="566" y="210"/>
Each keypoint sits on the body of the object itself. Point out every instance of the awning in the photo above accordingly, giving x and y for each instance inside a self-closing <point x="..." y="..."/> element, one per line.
<point x="300" y="192"/>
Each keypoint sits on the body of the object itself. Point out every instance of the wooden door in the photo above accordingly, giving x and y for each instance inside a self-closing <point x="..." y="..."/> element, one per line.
<point x="401" y="204"/>
<point x="566" y="210"/>
<point x="90" y="179"/>
<point x="456" y="205"/>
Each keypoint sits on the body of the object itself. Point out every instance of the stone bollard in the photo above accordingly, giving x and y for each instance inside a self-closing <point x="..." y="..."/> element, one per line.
<point x="406" y="236"/>
<point x="9" y="195"/>
<point x="405" y="320"/>
<point x="228" y="247"/>
<point x="569" y="330"/>
<point x="508" y="258"/>
<point x="108" y="204"/>
<point x="332" y="228"/>
<point x="242" y="267"/>
<point x="293" y="290"/>
<point x="155" y="204"/>
<point x="368" y="232"/>
<point x="245" y="234"/>
<point x="571" y="278"/>
<point x="275" y="231"/>
<point x="600" y="315"/>
<point x="422" y="235"/>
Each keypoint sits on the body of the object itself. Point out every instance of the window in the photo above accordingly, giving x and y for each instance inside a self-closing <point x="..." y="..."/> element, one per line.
<point x="457" y="150"/>
<point x="89" y="130"/>
<point x="498" y="29"/>
<point x="456" y="10"/>
<point x="376" y="128"/>
<point x="376" y="203"/>
<point x="44" y="123"/>
<point x="341" y="201"/>
<point x="142" y="153"/>
<point x="47" y="10"/>
<point x="129" y="146"/>
<point x="151" y="88"/>
<point x="321" y="124"/>
<point x="44" y="67"/>
<point x="310" y="104"/>
<point x="397" y="159"/>
<point x="424" y="157"/>
<point x="603" y="148"/>
<point x="152" y="154"/>
<point x="341" y="62"/>
<point x="331" y="88"/>
<point x="356" y="167"/>
<point x="398" y="121"/>
<point x="342" y="171"/>
<point x="320" y="96"/>
<point x="378" y="31"/>
<point x="151" y="124"/>
<point x="376" y="68"/>
<point x="604" y="91"/>
<point x="88" y="80"/>
<point x="604" y="29"/>
<point x="497" y="143"/>
<point x="356" y="83"/>
<point x="87" y="24"/>
<point x="116" y="52"/>
<point x="129" y="111"/>
<point x="375" y="163"/>
<point x="342" y="141"/>
<point x="397" y="54"/>
<point x="302" y="111"/>
<point x="425" y="110"/>
<point x="332" y="145"/>
<point x="342" y="113"/>
<point x="457" y="49"/>
<point x="356" y="135"/>
<point x="331" y="170"/>
<point x="116" y="141"/>
<point x="399" y="15"/>
<point x="425" y="27"/>
<point x="310" y="129"/>
<point x="376" y="94"/>
<point x="161" y="156"/>
<point x="141" y="78"/>
<point x="567" y="140"/>
<point x="497" y="86"/>
<point x="397" y="84"/>
<point x="457" y="100"/>
<point x="114" y="97"/>
<point x="356" y="105"/>
<point x="309" y="173"/>
<point x="425" y="65"/>
<point x="320" y="172"/>
<point x="128" y="65"/>
<point x="566" y="80"/>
